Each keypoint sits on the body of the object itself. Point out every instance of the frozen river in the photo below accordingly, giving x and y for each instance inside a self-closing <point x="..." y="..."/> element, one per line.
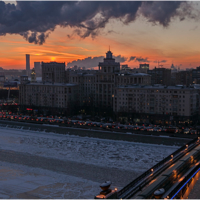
<point x="48" y="165"/>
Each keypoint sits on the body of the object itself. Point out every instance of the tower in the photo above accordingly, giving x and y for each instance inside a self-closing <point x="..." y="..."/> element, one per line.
<point x="105" y="80"/>
<point x="27" y="64"/>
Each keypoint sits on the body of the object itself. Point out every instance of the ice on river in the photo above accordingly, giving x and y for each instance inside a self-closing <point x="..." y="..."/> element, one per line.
<point x="101" y="152"/>
<point x="20" y="181"/>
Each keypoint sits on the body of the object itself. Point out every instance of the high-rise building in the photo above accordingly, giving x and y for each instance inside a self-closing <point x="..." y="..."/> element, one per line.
<point x="105" y="81"/>
<point x="196" y="75"/>
<point x="94" y="87"/>
<point x="160" y="76"/>
<point x="184" y="78"/>
<point x="38" y="69"/>
<point x="27" y="64"/>
<point x="53" y="72"/>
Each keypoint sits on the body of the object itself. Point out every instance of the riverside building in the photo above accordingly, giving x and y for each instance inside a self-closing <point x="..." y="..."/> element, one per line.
<point x="158" y="100"/>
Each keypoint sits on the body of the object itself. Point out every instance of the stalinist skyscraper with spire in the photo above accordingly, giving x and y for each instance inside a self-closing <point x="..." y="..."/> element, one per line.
<point x="105" y="80"/>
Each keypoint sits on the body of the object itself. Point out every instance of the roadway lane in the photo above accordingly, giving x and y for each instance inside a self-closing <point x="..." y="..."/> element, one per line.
<point x="102" y="134"/>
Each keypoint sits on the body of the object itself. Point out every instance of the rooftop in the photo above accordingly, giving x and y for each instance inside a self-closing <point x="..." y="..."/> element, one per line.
<point x="51" y="84"/>
<point x="158" y="86"/>
<point x="132" y="74"/>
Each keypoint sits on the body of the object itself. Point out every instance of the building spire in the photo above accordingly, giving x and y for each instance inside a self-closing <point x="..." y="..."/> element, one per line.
<point x="109" y="47"/>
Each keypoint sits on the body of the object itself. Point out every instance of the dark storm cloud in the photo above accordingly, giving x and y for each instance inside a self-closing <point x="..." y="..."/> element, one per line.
<point x="162" y="61"/>
<point x="132" y="58"/>
<point x="93" y="62"/>
<point x="34" y="37"/>
<point x="120" y="58"/>
<point x="34" y="20"/>
<point x="138" y="59"/>
<point x="160" y="11"/>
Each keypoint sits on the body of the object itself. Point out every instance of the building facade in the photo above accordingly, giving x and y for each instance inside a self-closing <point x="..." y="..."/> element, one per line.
<point x="48" y="94"/>
<point x="95" y="87"/>
<point x="38" y="69"/>
<point x="86" y="81"/>
<point x="105" y="81"/>
<point x="110" y="87"/>
<point x="160" y="76"/>
<point x="158" y="99"/>
<point x="184" y="78"/>
<point x="128" y="78"/>
<point x="53" y="72"/>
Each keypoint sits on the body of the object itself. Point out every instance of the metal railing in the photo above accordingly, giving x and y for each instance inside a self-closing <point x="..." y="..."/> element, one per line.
<point x="182" y="186"/>
<point x="148" y="172"/>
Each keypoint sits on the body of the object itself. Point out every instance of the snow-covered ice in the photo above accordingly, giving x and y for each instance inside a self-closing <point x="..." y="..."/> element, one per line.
<point x="22" y="182"/>
<point x="120" y="155"/>
<point x="101" y="152"/>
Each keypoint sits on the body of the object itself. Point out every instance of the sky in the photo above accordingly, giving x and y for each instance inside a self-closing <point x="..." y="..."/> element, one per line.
<point x="80" y="33"/>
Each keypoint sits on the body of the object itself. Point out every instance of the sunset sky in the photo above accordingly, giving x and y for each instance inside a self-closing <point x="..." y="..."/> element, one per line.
<point x="136" y="32"/>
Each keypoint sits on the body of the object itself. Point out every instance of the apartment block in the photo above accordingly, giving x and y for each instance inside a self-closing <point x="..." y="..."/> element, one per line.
<point x="53" y="72"/>
<point x="157" y="99"/>
<point x="184" y="78"/>
<point x="48" y="94"/>
<point x="160" y="76"/>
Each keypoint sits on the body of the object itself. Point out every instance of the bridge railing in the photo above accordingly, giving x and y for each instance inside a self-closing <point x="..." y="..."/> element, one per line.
<point x="182" y="185"/>
<point x="156" y="166"/>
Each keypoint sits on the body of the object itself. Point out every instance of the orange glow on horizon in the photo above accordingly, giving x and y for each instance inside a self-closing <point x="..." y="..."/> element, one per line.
<point x="62" y="49"/>
<point x="53" y="58"/>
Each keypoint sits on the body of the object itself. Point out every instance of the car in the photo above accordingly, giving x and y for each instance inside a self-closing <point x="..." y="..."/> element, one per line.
<point x="99" y="124"/>
<point x="129" y="127"/>
<point x="124" y="126"/>
<point x="150" y="128"/>
<point x="171" y="130"/>
<point x="143" y="128"/>
<point x="107" y="125"/>
<point x="157" y="129"/>
<point x="186" y="131"/>
<point x="74" y="122"/>
<point x="87" y="123"/>
<point x="135" y="128"/>
<point x="193" y="132"/>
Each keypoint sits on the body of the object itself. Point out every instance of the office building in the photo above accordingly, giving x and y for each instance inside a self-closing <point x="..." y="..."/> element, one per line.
<point x="53" y="72"/>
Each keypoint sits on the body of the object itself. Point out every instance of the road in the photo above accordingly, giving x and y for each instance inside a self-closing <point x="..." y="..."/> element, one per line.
<point x="137" y="137"/>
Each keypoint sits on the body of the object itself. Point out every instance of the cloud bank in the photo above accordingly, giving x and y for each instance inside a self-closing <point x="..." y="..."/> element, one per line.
<point x="34" y="20"/>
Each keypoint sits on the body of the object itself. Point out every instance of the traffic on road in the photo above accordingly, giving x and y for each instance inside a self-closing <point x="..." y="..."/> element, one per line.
<point x="99" y="125"/>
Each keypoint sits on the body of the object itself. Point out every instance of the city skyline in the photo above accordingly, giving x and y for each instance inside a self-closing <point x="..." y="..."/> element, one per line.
<point x="148" y="32"/>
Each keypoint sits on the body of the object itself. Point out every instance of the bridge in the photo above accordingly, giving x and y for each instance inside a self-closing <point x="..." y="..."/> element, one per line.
<point x="171" y="178"/>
